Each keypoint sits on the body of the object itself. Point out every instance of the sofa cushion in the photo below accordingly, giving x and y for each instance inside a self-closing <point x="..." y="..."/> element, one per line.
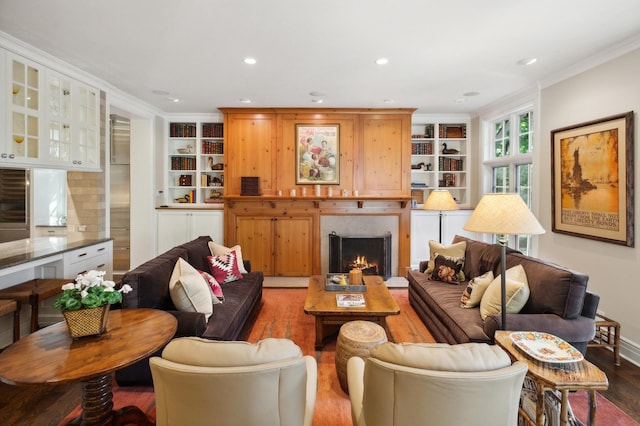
<point x="150" y="281"/>
<point x="472" y="295"/>
<point x="224" y="267"/>
<point x="472" y="255"/>
<point x="217" y="249"/>
<point x="454" y="250"/>
<point x="465" y="357"/>
<point x="197" y="252"/>
<point x="189" y="291"/>
<point x="447" y="268"/>
<point x="517" y="293"/>
<point x="554" y="289"/>
<point x="208" y="353"/>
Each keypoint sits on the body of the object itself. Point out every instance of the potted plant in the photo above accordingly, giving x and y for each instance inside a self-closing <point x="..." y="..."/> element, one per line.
<point x="85" y="303"/>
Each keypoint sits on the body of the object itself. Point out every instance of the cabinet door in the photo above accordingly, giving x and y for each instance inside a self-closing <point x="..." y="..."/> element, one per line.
<point x="23" y="138"/>
<point x="86" y="146"/>
<point x="59" y="119"/>
<point x="173" y="229"/>
<point x="255" y="236"/>
<point x="250" y="151"/>
<point x="208" y="223"/>
<point x="293" y="246"/>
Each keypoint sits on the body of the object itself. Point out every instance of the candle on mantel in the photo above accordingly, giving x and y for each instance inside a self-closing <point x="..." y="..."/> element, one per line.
<point x="355" y="277"/>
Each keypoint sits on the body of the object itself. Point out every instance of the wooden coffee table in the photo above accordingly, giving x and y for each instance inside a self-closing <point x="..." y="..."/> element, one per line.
<point x="322" y="304"/>
<point x="581" y="375"/>
<point x="50" y="356"/>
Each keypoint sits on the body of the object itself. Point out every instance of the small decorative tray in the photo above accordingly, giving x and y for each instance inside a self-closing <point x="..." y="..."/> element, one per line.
<point x="545" y="347"/>
<point x="334" y="279"/>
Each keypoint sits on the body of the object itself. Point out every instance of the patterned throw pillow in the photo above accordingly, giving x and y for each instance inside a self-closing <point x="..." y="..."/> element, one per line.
<point x="455" y="250"/>
<point x="214" y="286"/>
<point x="447" y="268"/>
<point x="475" y="289"/>
<point x="224" y="267"/>
<point x="218" y="249"/>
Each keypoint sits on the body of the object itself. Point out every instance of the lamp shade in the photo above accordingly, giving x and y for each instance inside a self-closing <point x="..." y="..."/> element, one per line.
<point x="503" y="214"/>
<point x="441" y="200"/>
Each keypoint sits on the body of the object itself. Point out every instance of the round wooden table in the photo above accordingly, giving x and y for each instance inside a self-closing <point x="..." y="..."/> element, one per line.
<point x="50" y="356"/>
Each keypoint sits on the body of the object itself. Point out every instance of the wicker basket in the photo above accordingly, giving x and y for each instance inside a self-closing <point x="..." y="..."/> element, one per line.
<point x="87" y="322"/>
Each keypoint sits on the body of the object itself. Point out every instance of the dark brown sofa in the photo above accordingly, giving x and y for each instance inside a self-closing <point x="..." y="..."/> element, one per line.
<point x="559" y="302"/>
<point x="231" y="320"/>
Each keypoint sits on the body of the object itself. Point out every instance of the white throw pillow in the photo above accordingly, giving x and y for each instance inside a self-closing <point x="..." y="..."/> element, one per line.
<point x="189" y="291"/>
<point x="517" y="293"/>
<point x="218" y="249"/>
<point x="472" y="295"/>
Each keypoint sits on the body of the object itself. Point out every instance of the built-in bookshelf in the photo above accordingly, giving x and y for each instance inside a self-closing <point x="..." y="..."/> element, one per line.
<point x="439" y="160"/>
<point x="196" y="163"/>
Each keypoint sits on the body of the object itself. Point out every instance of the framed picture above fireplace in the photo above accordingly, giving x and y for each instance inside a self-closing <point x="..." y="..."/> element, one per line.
<point x="317" y="154"/>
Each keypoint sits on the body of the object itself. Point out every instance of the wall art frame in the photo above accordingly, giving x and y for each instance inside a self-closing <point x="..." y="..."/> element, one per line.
<point x="592" y="180"/>
<point x="317" y="154"/>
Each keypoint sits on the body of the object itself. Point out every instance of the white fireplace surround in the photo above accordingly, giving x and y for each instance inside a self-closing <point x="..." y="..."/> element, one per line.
<point x="358" y="226"/>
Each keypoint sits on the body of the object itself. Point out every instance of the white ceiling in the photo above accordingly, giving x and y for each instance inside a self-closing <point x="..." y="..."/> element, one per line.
<point x="437" y="50"/>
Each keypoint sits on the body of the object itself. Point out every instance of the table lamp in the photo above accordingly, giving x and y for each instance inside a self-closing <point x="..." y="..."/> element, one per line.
<point x="440" y="200"/>
<point x="503" y="214"/>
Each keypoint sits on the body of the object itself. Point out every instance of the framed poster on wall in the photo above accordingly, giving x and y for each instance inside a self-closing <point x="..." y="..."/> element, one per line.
<point x="317" y="154"/>
<point x="592" y="179"/>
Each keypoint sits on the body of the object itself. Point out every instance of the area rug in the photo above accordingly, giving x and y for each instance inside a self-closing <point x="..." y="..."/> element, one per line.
<point x="282" y="315"/>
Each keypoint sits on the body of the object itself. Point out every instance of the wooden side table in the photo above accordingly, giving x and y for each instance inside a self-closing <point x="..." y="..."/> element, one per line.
<point x="607" y="336"/>
<point x="576" y="376"/>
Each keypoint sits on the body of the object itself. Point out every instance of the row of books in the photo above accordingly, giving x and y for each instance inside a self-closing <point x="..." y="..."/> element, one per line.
<point x="182" y="130"/>
<point x="422" y="148"/>
<point x="210" y="147"/>
<point x="209" y="180"/>
<point x="212" y="130"/>
<point x="452" y="131"/>
<point x="450" y="164"/>
<point x="183" y="163"/>
<point x="448" y="180"/>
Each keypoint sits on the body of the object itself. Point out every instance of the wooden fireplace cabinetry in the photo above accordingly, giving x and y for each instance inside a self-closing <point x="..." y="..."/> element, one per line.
<point x="278" y="237"/>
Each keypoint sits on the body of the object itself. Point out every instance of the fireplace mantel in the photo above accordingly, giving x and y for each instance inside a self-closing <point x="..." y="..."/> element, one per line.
<point x="243" y="212"/>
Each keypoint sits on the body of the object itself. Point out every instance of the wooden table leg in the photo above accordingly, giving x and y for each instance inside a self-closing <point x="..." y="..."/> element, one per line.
<point x="319" y="333"/>
<point x="564" y="408"/>
<point x="97" y="403"/>
<point x="591" y="420"/>
<point x="539" y="404"/>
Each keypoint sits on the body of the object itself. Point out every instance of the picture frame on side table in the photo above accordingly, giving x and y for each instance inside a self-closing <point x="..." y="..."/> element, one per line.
<point x="592" y="180"/>
<point x="317" y="154"/>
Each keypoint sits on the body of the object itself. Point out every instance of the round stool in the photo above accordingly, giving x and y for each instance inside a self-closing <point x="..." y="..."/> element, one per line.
<point x="356" y="338"/>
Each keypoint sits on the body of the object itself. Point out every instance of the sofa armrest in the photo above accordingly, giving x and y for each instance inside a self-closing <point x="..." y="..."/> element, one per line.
<point x="423" y="265"/>
<point x="577" y="331"/>
<point x="247" y="265"/>
<point x="590" y="307"/>
<point x="189" y="323"/>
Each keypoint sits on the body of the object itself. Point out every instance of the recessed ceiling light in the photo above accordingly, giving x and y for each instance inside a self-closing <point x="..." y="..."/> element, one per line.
<point x="250" y="61"/>
<point x="245" y="101"/>
<point x="382" y="61"/>
<point x="527" y="61"/>
<point x="389" y="101"/>
<point x="458" y="101"/>
<point x="316" y="93"/>
<point x="173" y="99"/>
<point x="317" y="101"/>
<point x="469" y="94"/>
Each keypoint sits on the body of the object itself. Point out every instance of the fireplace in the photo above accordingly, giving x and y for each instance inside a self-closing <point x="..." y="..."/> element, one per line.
<point x="370" y="254"/>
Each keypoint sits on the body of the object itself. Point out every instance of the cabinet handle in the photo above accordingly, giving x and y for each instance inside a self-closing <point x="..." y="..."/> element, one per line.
<point x="101" y="249"/>
<point x="12" y="156"/>
<point x="4" y="155"/>
<point x="82" y="254"/>
<point x="101" y="265"/>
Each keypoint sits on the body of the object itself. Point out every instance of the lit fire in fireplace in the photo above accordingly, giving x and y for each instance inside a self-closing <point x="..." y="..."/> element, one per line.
<point x="360" y="262"/>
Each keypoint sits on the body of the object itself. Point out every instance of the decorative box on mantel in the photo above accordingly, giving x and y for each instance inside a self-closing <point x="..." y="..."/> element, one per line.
<point x="249" y="185"/>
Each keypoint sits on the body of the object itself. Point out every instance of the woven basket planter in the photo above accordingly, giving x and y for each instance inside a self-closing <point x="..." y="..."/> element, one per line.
<point x="87" y="322"/>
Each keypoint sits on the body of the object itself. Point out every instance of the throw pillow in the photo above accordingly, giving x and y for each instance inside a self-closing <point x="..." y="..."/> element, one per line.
<point x="454" y="250"/>
<point x="214" y="286"/>
<point x="475" y="289"/>
<point x="189" y="291"/>
<point x="224" y="267"/>
<point x="217" y="249"/>
<point x="447" y="268"/>
<point x="517" y="293"/>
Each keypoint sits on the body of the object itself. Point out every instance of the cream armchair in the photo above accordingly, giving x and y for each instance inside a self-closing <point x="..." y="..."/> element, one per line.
<point x="435" y="384"/>
<point x="205" y="382"/>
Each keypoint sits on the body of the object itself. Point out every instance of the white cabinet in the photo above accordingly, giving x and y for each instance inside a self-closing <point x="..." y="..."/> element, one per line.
<point x="439" y="159"/>
<point x="179" y="226"/>
<point x="195" y="152"/>
<point x="72" y="123"/>
<point x="425" y="226"/>
<point x="21" y="143"/>
<point x="97" y="257"/>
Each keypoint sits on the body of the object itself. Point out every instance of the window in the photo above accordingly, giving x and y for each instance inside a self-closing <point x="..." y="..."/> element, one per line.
<point x="510" y="168"/>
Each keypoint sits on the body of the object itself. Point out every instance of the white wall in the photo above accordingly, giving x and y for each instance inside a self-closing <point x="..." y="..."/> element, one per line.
<point x="609" y="89"/>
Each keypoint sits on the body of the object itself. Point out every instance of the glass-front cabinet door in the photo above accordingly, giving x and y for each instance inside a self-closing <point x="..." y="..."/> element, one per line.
<point x="60" y="118"/>
<point x="22" y="144"/>
<point x="87" y="142"/>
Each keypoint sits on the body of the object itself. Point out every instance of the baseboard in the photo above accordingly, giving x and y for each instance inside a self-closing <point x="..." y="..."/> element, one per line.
<point x="630" y="351"/>
<point x="303" y="282"/>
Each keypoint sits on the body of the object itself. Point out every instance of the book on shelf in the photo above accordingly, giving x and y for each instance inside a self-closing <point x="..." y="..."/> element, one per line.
<point x="350" y="300"/>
